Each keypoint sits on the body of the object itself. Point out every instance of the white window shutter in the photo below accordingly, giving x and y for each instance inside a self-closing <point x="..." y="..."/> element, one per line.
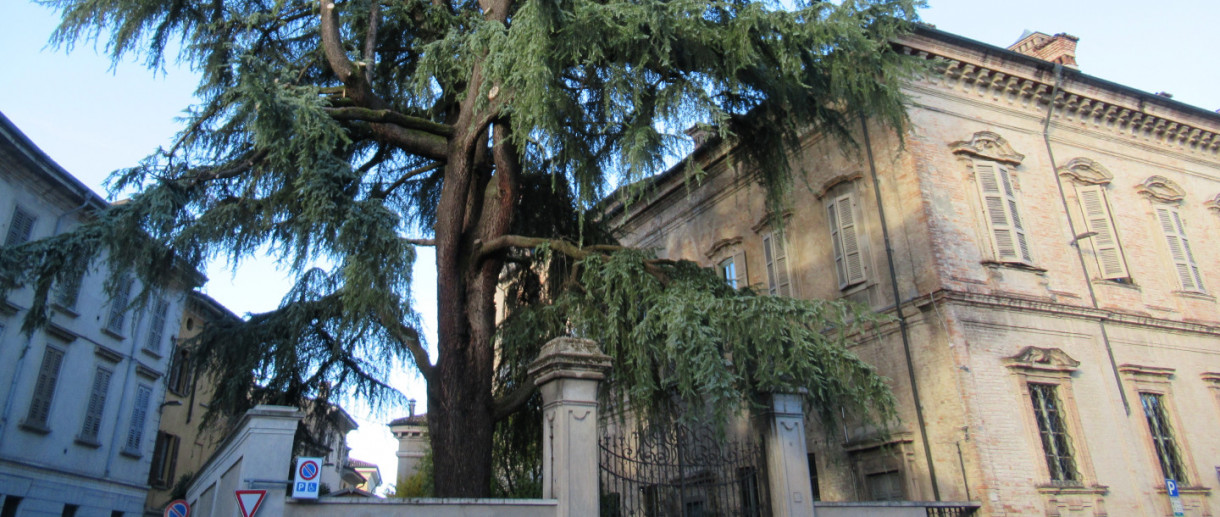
<point x="20" y="227"/>
<point x="97" y="404"/>
<point x="1097" y="220"/>
<point x="836" y="239"/>
<point x="777" y="265"/>
<point x="118" y="307"/>
<point x="1003" y="215"/>
<point x="135" y="433"/>
<point x="44" y="387"/>
<point x="850" y="230"/>
<point x="156" y="328"/>
<point x="1179" y="249"/>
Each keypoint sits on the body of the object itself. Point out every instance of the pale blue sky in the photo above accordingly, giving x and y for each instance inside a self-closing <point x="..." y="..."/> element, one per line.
<point x="93" y="119"/>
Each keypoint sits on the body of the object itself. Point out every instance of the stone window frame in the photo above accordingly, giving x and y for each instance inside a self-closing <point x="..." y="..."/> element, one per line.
<point x="987" y="148"/>
<point x="768" y="231"/>
<point x="832" y="193"/>
<point x="725" y="250"/>
<point x="1159" y="380"/>
<point x="1166" y="197"/>
<point x="1087" y="175"/>
<point x="895" y="453"/>
<point x="1052" y="366"/>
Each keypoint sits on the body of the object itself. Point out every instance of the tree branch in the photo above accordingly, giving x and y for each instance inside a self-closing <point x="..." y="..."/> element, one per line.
<point x="510" y="403"/>
<point x="391" y="117"/>
<point x="421" y="242"/>
<point x="381" y="193"/>
<point x="409" y="337"/>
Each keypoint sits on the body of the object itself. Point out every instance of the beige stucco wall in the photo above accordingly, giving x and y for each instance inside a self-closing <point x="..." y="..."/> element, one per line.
<point x="967" y="315"/>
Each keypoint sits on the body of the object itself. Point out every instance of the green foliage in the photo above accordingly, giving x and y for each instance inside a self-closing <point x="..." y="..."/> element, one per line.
<point x="684" y="340"/>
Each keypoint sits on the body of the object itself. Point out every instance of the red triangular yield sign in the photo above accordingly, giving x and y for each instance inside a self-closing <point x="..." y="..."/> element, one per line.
<point x="249" y="501"/>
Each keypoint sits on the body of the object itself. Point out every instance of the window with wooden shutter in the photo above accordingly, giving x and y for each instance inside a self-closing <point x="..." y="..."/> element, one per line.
<point x="156" y="328"/>
<point x="845" y="236"/>
<point x="20" y="227"/>
<point x="164" y="460"/>
<point x="97" y="405"/>
<point x="118" y="307"/>
<point x="44" y="388"/>
<point x="776" y="256"/>
<point x="68" y="291"/>
<point x="1003" y="214"/>
<point x="1179" y="249"/>
<point x="139" y="414"/>
<point x="1097" y="219"/>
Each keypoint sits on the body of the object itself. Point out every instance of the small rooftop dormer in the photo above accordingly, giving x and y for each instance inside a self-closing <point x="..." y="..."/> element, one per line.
<point x="1060" y="48"/>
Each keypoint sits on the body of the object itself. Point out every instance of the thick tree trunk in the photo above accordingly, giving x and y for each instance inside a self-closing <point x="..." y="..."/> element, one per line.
<point x="474" y="207"/>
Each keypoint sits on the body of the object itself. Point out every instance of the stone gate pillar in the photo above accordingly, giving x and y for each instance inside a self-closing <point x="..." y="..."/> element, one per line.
<point x="567" y="372"/>
<point x="787" y="461"/>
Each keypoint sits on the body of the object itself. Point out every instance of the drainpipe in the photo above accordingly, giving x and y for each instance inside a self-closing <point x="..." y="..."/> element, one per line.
<point x="1088" y="282"/>
<point x="902" y="320"/>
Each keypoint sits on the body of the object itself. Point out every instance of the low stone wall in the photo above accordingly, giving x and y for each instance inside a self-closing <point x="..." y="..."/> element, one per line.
<point x="422" y="508"/>
<point x="894" y="509"/>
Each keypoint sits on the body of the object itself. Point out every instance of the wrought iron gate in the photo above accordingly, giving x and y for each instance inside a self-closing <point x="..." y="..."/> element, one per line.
<point x="679" y="471"/>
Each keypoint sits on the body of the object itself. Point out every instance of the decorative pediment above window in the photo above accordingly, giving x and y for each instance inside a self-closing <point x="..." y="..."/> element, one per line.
<point x="1034" y="358"/>
<point x="1086" y="171"/>
<point x="771" y="221"/>
<point x="721" y="245"/>
<point x="988" y="146"/>
<point x="1146" y="373"/>
<point x="1160" y="188"/>
<point x="1213" y="204"/>
<point x="837" y="180"/>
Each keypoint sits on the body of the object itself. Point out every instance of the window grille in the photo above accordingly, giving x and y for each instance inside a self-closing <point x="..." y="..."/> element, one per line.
<point x="1167" y="451"/>
<point x="1056" y="444"/>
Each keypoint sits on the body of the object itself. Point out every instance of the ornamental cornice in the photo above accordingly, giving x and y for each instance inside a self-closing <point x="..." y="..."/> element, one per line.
<point x="1086" y="171"/>
<point x="1213" y="204"/>
<point x="1130" y="121"/>
<point x="1160" y="188"/>
<point x="1035" y="358"/>
<point x="989" y="146"/>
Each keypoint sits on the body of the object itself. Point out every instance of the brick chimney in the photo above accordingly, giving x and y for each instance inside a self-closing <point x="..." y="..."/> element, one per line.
<point x="1060" y="48"/>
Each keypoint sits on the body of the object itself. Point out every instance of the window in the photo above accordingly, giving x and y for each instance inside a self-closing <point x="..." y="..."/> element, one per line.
<point x="179" y="379"/>
<point x="69" y="510"/>
<point x="1097" y="220"/>
<point x="139" y="413"/>
<point x="845" y="235"/>
<point x="11" y="502"/>
<point x="727" y="269"/>
<point x="67" y="292"/>
<point x="44" y="388"/>
<point x="776" y="256"/>
<point x="813" y="476"/>
<point x="156" y="328"/>
<point x="118" y="307"/>
<point x="747" y="488"/>
<point x="1179" y="248"/>
<point x="884" y="486"/>
<point x="164" y="460"/>
<point x="1048" y="413"/>
<point x="1045" y="375"/>
<point x="97" y="405"/>
<point x="20" y="227"/>
<point x="1167" y="451"/>
<point x="1002" y="210"/>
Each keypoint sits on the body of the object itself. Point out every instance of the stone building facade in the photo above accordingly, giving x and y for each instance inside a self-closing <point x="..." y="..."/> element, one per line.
<point x="81" y="396"/>
<point x="1048" y="244"/>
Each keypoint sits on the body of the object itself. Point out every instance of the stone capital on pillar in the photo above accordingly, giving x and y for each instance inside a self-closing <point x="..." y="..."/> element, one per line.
<point x="787" y="459"/>
<point x="567" y="373"/>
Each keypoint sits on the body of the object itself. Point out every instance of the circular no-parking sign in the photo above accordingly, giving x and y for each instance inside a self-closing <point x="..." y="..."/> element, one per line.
<point x="308" y="470"/>
<point x="177" y="508"/>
